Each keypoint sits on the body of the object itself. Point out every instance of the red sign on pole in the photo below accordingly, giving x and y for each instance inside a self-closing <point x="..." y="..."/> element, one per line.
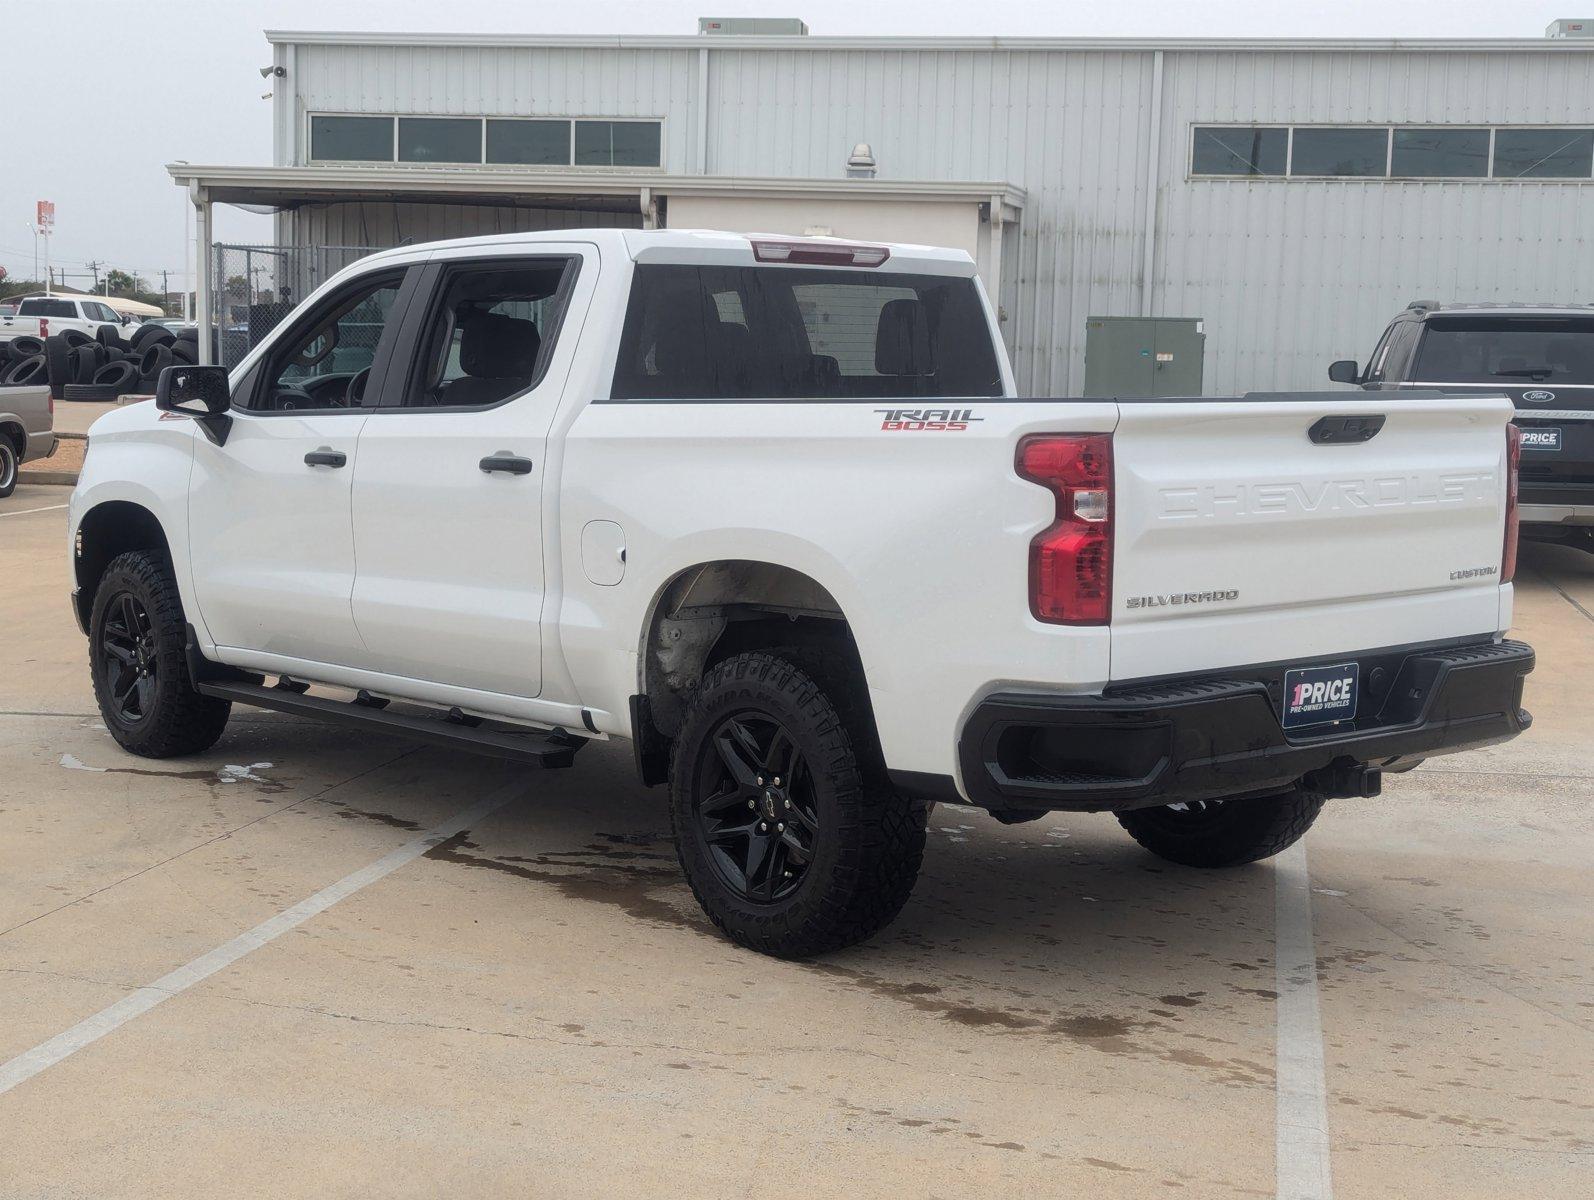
<point x="46" y="215"/>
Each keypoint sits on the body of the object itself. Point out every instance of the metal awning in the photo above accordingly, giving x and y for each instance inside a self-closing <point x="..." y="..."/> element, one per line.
<point x="604" y="190"/>
<point x="285" y="188"/>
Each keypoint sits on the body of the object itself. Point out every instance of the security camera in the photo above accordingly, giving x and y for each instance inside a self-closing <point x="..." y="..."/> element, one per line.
<point x="268" y="72"/>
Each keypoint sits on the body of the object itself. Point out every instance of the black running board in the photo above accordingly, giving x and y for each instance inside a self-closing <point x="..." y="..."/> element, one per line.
<point x="550" y="748"/>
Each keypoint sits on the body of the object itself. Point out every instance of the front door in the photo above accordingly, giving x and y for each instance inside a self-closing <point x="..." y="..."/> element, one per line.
<point x="448" y="489"/>
<point x="270" y="531"/>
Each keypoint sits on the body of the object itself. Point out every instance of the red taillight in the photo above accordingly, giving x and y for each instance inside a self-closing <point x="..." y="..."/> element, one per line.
<point x="1070" y="562"/>
<point x="44" y="327"/>
<point x="1513" y="470"/>
<point x="821" y="254"/>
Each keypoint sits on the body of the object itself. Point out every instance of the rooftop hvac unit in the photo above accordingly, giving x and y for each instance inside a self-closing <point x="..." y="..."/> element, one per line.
<point x="1571" y="27"/>
<point x="753" y="26"/>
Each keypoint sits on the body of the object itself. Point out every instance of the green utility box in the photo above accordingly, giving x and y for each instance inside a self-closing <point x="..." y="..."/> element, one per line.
<point x="1143" y="356"/>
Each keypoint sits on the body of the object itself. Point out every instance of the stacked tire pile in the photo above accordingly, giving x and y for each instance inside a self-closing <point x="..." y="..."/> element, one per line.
<point x="102" y="367"/>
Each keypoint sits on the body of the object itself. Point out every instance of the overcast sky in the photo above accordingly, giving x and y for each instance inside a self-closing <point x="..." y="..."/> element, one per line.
<point x="100" y="95"/>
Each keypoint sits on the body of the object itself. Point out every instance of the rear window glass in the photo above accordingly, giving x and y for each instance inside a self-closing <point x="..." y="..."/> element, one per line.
<point x="1513" y="350"/>
<point x="720" y="333"/>
<point x="48" y="308"/>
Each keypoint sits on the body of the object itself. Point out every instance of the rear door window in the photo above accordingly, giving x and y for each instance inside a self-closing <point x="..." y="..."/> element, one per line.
<point x="491" y="332"/>
<point x="723" y="333"/>
<point x="1509" y="351"/>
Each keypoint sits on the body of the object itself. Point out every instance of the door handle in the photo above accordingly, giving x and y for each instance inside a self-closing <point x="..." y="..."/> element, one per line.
<point x="512" y="464"/>
<point x="326" y="456"/>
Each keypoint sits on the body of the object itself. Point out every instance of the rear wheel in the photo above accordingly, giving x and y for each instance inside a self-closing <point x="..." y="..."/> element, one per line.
<point x="8" y="466"/>
<point x="1224" y="833"/>
<point x="785" y="846"/>
<point x="137" y="640"/>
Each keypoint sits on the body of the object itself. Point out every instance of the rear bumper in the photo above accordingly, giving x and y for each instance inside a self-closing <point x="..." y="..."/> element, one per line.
<point x="1558" y="514"/>
<point x="40" y="445"/>
<point x="1200" y="738"/>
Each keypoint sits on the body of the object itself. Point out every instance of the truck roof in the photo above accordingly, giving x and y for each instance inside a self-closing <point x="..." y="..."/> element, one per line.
<point x="704" y="246"/>
<point x="1421" y="310"/>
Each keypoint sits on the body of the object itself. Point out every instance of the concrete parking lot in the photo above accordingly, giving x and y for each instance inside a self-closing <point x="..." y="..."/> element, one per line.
<point x="535" y="1006"/>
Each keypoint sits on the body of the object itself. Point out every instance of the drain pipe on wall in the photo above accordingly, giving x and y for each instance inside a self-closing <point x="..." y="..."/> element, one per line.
<point x="1148" y="258"/>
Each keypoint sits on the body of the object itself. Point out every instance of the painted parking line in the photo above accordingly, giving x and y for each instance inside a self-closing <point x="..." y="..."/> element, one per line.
<point x="138" y="1002"/>
<point x="22" y="512"/>
<point x="1301" y="1120"/>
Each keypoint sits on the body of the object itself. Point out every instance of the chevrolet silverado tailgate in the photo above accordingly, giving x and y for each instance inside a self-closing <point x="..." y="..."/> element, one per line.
<point x="1276" y="529"/>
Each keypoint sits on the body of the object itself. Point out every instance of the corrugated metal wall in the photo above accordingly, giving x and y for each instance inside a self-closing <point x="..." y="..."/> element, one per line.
<point x="508" y="82"/>
<point x="1291" y="274"/>
<point x="1287" y="274"/>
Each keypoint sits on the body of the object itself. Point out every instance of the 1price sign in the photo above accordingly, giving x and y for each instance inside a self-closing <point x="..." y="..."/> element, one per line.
<point x="46" y="214"/>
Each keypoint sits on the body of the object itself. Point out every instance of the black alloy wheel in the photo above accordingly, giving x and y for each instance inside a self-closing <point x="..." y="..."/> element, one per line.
<point x="128" y="658"/>
<point x="756" y="811"/>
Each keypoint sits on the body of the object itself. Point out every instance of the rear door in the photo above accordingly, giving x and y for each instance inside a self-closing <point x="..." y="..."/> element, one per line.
<point x="1241" y="539"/>
<point x="448" y="494"/>
<point x="269" y="525"/>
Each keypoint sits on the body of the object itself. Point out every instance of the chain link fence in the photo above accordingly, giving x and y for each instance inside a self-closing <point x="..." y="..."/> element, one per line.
<point x="254" y="287"/>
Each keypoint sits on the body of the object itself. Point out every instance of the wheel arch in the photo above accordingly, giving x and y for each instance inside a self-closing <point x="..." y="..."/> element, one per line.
<point x="712" y="610"/>
<point x="13" y="431"/>
<point x="110" y="528"/>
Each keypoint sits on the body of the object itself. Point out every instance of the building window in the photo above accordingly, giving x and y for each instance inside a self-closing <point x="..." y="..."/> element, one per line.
<point x="533" y="143"/>
<point x="1543" y="153"/>
<point x="351" y="139"/>
<point x="1240" y="151"/>
<point x="517" y="141"/>
<point x="617" y="143"/>
<point x="440" y="139"/>
<point x="1440" y="154"/>
<point x="1392" y="152"/>
<point x="1340" y="152"/>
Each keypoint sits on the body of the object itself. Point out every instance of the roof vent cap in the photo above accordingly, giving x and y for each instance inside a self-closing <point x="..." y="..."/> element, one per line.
<point x="861" y="162"/>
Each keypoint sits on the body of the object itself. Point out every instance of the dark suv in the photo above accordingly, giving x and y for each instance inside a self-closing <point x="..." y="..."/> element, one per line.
<point x="1540" y="355"/>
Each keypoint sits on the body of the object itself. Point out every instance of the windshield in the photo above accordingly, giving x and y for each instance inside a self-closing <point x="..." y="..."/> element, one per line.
<point x="1507" y="350"/>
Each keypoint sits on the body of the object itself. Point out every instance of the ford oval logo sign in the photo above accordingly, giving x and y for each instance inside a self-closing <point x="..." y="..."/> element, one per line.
<point x="1538" y="396"/>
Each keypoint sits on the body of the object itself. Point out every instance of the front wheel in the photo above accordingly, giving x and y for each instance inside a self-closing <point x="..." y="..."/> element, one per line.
<point x="1224" y="833"/>
<point x="787" y="848"/>
<point x="137" y="641"/>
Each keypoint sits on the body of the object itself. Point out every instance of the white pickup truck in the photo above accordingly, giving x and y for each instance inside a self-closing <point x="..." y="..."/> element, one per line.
<point x="42" y="316"/>
<point x="771" y="509"/>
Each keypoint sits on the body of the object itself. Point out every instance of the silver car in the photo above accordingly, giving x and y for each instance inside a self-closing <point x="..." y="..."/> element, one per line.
<point x="27" y="431"/>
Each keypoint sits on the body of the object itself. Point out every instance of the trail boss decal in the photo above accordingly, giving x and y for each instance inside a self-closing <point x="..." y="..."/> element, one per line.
<point x="931" y="420"/>
<point x="1316" y="695"/>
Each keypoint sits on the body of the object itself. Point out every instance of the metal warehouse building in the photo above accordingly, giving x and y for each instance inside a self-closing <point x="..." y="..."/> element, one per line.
<point x="1289" y="195"/>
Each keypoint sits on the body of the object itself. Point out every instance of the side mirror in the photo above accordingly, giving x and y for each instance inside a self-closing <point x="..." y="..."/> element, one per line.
<point x="1344" y="371"/>
<point x="198" y="392"/>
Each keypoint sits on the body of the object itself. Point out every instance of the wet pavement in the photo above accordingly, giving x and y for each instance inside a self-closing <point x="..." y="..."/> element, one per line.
<point x="535" y="1005"/>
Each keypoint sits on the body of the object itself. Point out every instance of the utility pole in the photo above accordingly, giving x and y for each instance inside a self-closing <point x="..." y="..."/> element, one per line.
<point x="165" y="295"/>
<point x="95" y="267"/>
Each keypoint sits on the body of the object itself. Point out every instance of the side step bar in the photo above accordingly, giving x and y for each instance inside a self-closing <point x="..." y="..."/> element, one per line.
<point x="553" y="748"/>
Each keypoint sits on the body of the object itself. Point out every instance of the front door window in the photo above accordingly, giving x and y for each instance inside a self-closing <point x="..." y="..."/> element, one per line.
<point x="324" y="363"/>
